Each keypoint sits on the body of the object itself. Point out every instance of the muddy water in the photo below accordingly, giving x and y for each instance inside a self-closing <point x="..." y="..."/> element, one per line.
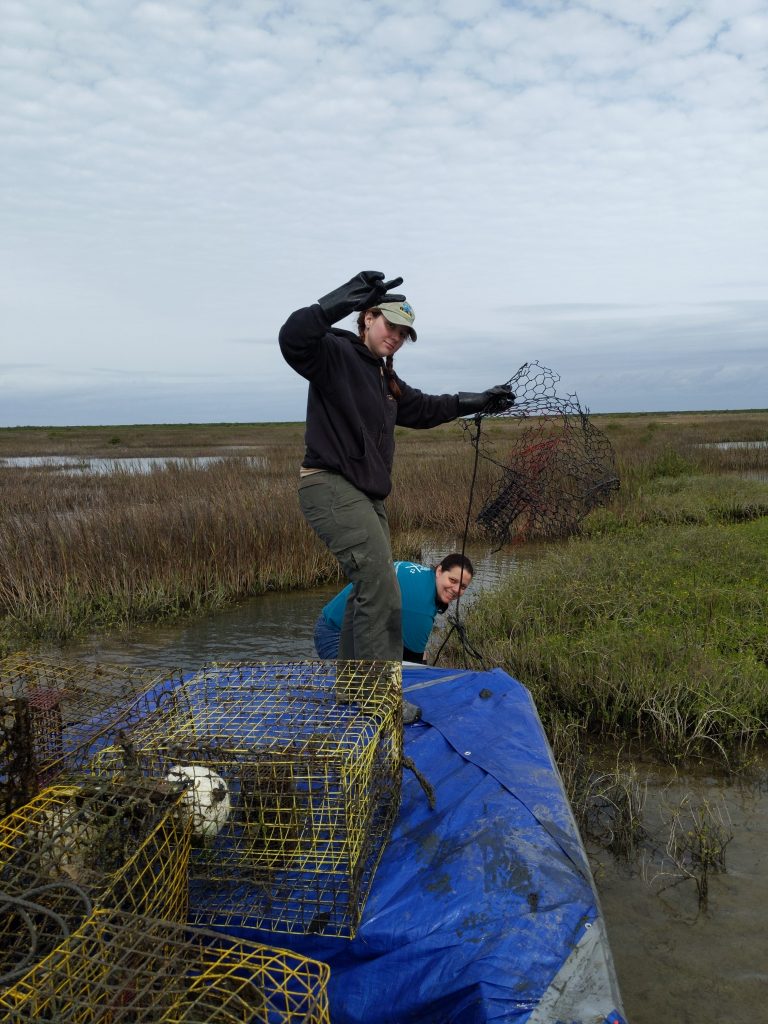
<point x="675" y="962"/>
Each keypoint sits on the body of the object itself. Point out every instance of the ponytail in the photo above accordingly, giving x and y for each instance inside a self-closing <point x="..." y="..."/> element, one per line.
<point x="394" y="387"/>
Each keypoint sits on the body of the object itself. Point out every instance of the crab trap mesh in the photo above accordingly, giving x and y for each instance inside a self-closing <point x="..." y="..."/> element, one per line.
<point x="555" y="470"/>
<point x="293" y="777"/>
<point x="54" y="714"/>
<point x="122" y="968"/>
<point x="71" y="848"/>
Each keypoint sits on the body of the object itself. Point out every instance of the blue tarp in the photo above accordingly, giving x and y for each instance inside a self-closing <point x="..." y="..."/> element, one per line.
<point x="478" y="904"/>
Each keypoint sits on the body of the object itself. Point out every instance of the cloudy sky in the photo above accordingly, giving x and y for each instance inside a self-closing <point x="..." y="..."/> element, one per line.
<point x="580" y="183"/>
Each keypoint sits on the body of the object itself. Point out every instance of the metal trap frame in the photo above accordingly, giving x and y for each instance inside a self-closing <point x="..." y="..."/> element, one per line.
<point x="54" y="714"/>
<point x="119" y="967"/>
<point x="556" y="469"/>
<point x="101" y="843"/>
<point x="294" y="777"/>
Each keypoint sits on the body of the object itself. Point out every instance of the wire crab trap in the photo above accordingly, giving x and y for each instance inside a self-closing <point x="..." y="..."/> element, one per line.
<point x="293" y="777"/>
<point x="556" y="470"/>
<point x="54" y="714"/>
<point x="119" y="968"/>
<point x="99" y="844"/>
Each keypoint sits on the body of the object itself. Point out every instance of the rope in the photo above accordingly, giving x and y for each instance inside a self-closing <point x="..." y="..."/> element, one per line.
<point x="467" y="647"/>
<point x="423" y="781"/>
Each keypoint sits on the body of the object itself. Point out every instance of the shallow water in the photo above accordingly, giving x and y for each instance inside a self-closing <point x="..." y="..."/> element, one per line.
<point x="272" y="626"/>
<point x="99" y="466"/>
<point x="675" y="963"/>
<point x="733" y="445"/>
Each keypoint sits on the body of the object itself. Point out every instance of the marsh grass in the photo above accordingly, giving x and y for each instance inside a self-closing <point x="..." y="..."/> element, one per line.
<point x="660" y="636"/>
<point x="687" y="498"/>
<point x="612" y="811"/>
<point x="650" y="627"/>
<point x="86" y="551"/>
<point x="83" y="552"/>
<point x="133" y="441"/>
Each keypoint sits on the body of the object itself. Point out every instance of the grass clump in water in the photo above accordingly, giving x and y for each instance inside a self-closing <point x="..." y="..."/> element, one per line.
<point x="699" y="832"/>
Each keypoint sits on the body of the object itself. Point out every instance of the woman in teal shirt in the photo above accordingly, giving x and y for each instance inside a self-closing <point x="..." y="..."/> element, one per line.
<point x="425" y="593"/>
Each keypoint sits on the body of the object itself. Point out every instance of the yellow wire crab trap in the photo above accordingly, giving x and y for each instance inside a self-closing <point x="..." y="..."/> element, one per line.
<point x="104" y="844"/>
<point x="293" y="776"/>
<point x="119" y="967"/>
<point x="54" y="714"/>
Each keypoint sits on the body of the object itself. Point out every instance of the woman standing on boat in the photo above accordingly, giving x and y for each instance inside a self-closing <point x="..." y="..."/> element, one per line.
<point x="355" y="401"/>
<point x="425" y="593"/>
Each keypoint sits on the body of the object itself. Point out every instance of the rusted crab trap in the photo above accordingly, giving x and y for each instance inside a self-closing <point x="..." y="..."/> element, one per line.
<point x="117" y="967"/>
<point x="555" y="469"/>
<point x="293" y="777"/>
<point x="97" y="844"/>
<point x="55" y="714"/>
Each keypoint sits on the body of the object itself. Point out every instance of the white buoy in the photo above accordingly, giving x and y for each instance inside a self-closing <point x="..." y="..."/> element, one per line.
<point x="206" y="798"/>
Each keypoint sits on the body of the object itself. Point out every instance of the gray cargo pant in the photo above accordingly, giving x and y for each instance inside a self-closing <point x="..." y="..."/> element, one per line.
<point x="356" y="530"/>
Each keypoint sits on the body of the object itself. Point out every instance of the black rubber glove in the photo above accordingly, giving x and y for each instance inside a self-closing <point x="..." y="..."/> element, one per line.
<point x="366" y="289"/>
<point x="494" y="400"/>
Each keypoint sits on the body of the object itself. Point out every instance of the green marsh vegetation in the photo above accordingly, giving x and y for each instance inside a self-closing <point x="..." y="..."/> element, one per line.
<point x="658" y="635"/>
<point x="644" y="642"/>
<point x="649" y="627"/>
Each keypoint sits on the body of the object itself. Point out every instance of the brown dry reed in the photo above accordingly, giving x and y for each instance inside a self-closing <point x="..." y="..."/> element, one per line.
<point x="85" y="552"/>
<point x="82" y="551"/>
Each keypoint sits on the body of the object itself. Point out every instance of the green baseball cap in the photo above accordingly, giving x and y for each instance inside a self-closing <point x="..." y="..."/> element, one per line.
<point x="400" y="313"/>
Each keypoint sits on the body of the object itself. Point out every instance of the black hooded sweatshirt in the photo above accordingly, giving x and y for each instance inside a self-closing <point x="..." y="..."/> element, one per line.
<point x="351" y="413"/>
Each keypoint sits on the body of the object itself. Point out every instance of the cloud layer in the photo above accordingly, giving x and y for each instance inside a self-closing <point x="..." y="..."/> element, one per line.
<point x="585" y="179"/>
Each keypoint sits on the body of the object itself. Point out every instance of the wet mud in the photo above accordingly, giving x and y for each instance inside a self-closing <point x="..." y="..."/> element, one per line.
<point x="678" y="962"/>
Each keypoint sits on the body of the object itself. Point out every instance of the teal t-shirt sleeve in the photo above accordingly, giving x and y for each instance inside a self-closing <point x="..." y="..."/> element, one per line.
<point x="417" y="587"/>
<point x="334" y="610"/>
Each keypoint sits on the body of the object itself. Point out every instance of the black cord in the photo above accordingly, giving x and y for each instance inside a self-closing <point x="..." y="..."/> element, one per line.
<point x="25" y="908"/>
<point x="467" y="647"/>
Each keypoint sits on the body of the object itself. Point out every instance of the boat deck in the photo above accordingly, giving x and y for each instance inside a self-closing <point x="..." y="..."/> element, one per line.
<point x="483" y="908"/>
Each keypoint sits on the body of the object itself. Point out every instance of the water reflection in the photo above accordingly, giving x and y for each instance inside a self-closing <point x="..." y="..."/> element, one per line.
<point x="731" y="445"/>
<point x="273" y="627"/>
<point x="102" y="466"/>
